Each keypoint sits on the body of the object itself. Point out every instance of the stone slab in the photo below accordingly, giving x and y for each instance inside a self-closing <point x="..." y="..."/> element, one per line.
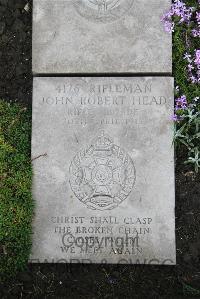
<point x="103" y="166"/>
<point x="82" y="36"/>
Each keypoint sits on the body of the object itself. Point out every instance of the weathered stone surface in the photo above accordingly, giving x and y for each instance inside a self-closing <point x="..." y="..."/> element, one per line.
<point x="82" y="36"/>
<point x="103" y="170"/>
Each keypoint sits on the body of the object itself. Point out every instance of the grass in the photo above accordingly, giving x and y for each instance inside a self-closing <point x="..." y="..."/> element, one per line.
<point x="16" y="205"/>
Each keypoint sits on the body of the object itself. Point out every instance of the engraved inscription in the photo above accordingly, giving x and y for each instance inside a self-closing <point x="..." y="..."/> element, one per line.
<point x="102" y="10"/>
<point x="103" y="175"/>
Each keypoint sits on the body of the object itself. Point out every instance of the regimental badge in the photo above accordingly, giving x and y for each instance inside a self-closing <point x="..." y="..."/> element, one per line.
<point x="102" y="10"/>
<point x="102" y="175"/>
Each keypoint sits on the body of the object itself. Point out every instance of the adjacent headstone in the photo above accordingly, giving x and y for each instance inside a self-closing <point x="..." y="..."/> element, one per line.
<point x="100" y="36"/>
<point x="103" y="170"/>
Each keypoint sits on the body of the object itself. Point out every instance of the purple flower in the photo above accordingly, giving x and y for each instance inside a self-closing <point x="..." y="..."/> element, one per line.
<point x="186" y="15"/>
<point x="169" y="26"/>
<point x="193" y="66"/>
<point x="178" y="8"/>
<point x="197" y="57"/>
<point x="196" y="32"/>
<point x="188" y="57"/>
<point x="181" y="103"/>
<point x="174" y="117"/>
<point x="198" y="16"/>
<point x="190" y="67"/>
<point x="193" y="79"/>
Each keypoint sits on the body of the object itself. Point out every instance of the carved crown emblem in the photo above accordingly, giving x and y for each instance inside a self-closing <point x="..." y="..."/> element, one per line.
<point x="102" y="175"/>
<point x="102" y="141"/>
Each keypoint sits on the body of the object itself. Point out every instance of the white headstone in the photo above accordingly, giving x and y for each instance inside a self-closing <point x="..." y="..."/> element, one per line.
<point x="103" y="170"/>
<point x="100" y="36"/>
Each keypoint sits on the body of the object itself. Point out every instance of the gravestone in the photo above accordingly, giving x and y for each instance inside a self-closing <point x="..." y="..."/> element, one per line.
<point x="100" y="36"/>
<point x="103" y="166"/>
